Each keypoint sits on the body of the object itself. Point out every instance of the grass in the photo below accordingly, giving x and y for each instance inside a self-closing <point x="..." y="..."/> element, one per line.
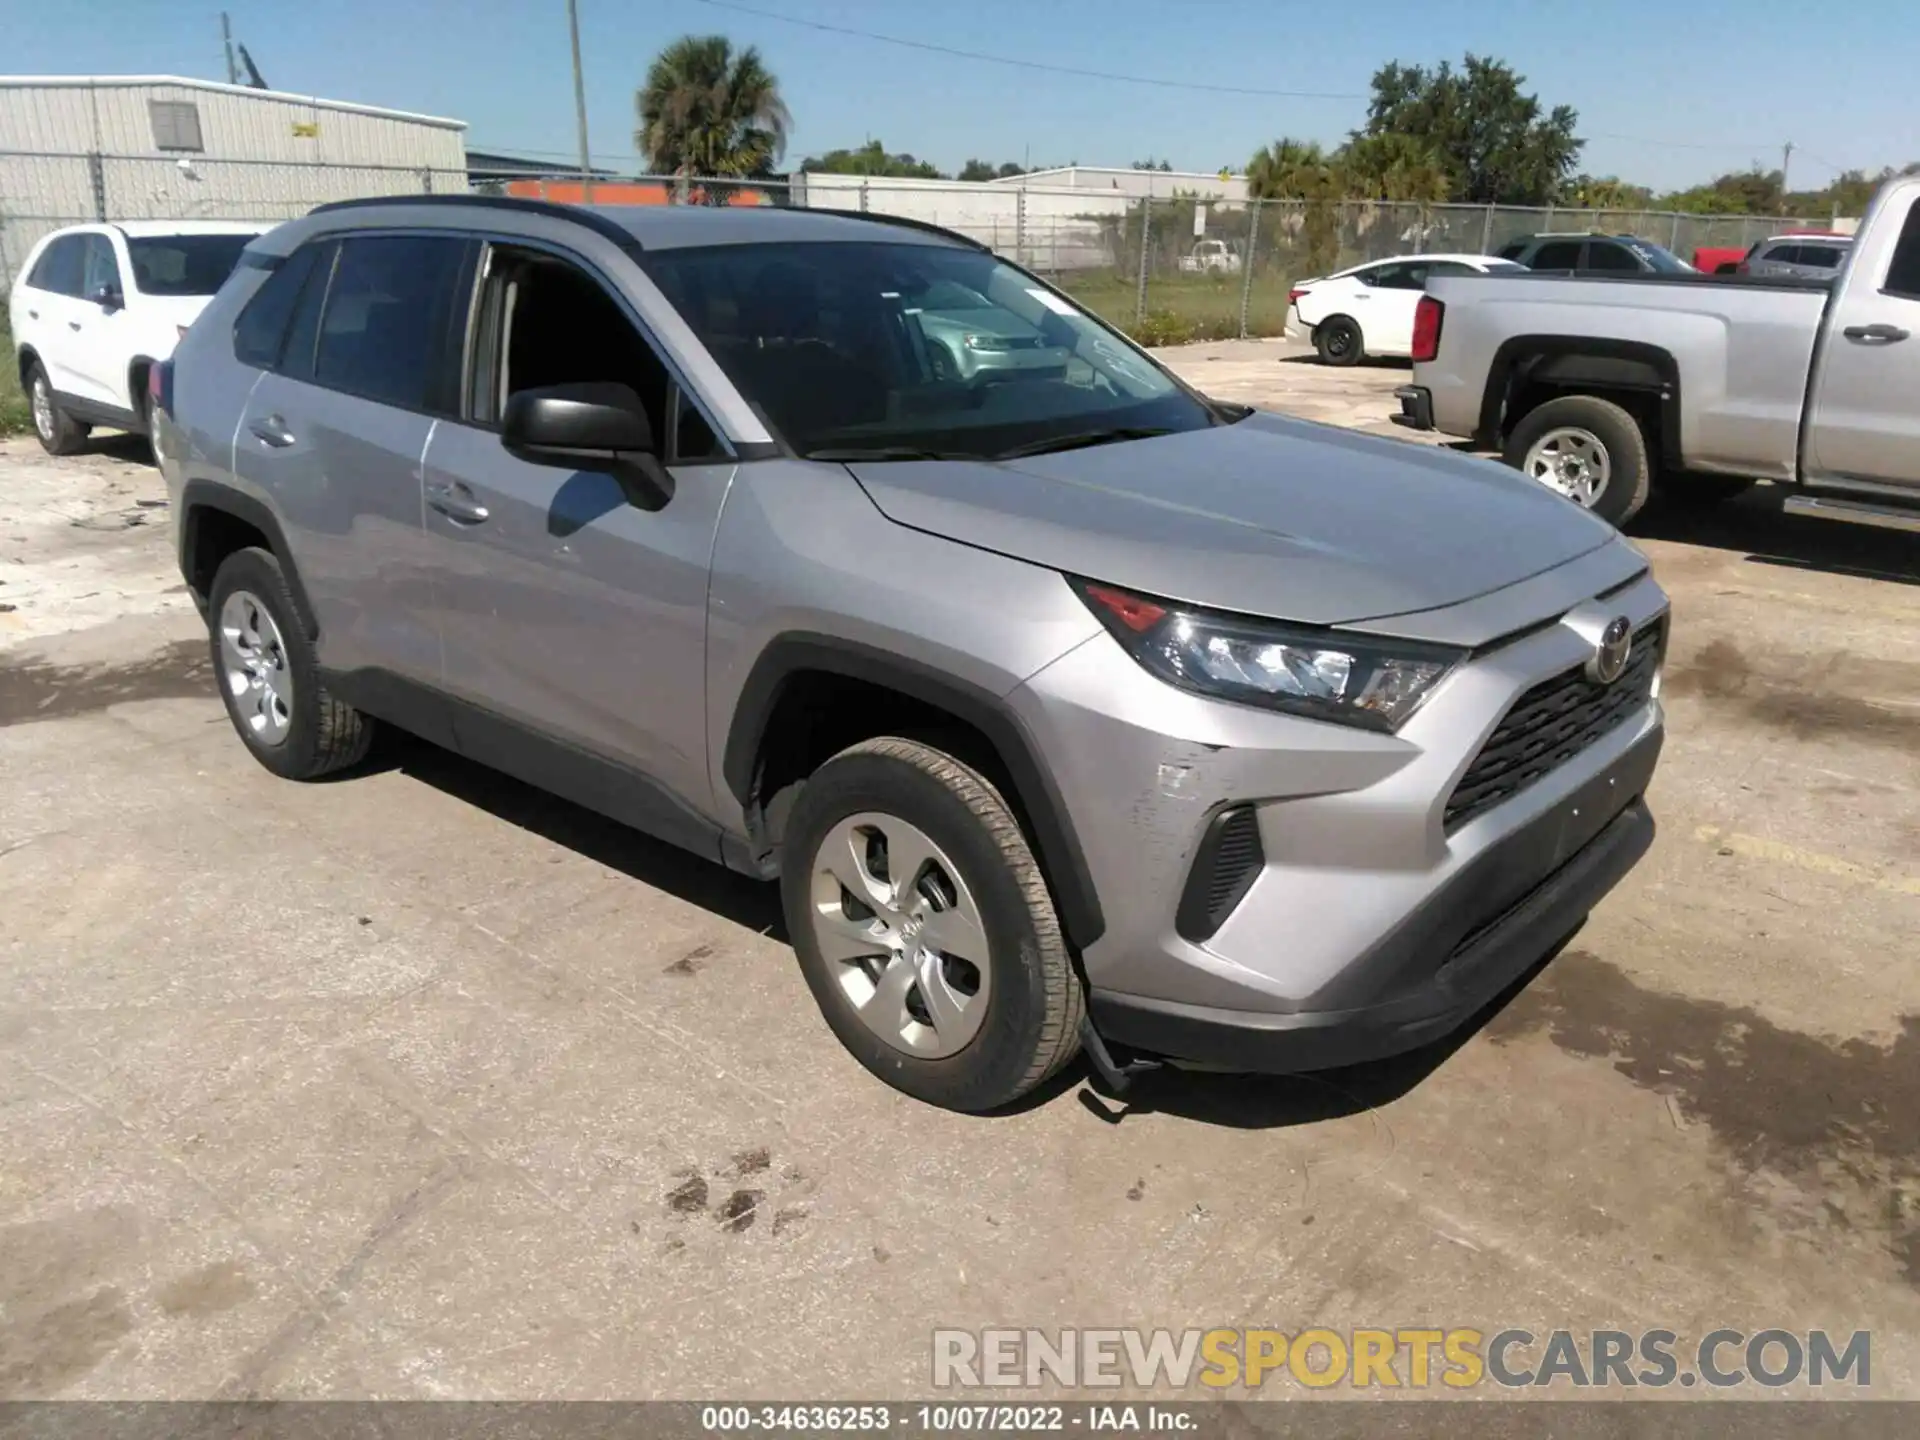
<point x="1182" y="308"/>
<point x="15" y="416"/>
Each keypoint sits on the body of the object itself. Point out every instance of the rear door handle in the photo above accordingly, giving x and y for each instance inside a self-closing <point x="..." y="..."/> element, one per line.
<point x="33" y="314"/>
<point x="271" y="430"/>
<point x="1887" y="334"/>
<point x="456" y="502"/>
<point x="73" y="324"/>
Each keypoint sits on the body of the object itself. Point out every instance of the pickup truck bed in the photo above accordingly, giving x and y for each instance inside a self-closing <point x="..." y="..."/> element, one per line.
<point x="1603" y="387"/>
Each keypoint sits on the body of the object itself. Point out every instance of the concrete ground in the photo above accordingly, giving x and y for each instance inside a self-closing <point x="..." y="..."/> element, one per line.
<point x="420" y="1084"/>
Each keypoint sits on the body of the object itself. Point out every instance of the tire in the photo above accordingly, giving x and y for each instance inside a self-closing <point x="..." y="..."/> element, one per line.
<point x="309" y="733"/>
<point x="994" y="901"/>
<point x="1608" y="437"/>
<point x="1339" y="341"/>
<point x="1701" y="492"/>
<point x="58" y="432"/>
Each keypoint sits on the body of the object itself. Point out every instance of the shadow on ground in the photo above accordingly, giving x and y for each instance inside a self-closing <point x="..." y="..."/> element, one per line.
<point x="1756" y="525"/>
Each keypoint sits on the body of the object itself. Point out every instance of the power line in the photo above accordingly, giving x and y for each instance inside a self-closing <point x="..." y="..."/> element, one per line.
<point x="932" y="48"/>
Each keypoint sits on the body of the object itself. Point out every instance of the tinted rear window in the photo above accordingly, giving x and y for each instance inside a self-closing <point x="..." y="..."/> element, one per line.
<point x="262" y="326"/>
<point x="59" y="267"/>
<point x="387" y="328"/>
<point x="183" y="264"/>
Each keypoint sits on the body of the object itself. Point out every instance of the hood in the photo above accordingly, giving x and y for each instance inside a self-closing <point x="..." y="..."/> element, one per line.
<point x="1270" y="516"/>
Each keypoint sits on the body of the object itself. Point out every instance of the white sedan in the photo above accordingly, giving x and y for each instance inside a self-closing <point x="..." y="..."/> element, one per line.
<point x="1368" y="310"/>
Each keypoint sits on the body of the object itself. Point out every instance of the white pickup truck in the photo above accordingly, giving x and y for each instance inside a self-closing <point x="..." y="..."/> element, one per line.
<point x="1604" y="388"/>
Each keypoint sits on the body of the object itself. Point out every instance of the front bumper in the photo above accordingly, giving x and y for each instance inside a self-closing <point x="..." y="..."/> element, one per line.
<point x="1495" y="920"/>
<point x="1361" y="893"/>
<point x="1416" y="407"/>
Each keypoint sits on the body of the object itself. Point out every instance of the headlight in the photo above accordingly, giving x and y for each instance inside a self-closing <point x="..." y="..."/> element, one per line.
<point x="1324" y="674"/>
<point x="988" y="342"/>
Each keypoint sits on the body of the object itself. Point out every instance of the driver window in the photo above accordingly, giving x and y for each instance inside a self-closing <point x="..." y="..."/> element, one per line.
<point x="554" y="325"/>
<point x="102" y="270"/>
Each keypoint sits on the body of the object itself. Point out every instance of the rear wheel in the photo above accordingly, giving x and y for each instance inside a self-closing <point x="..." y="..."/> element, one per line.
<point x="268" y="676"/>
<point x="1339" y="341"/>
<point x="924" y="928"/>
<point x="58" y="432"/>
<point x="1587" y="449"/>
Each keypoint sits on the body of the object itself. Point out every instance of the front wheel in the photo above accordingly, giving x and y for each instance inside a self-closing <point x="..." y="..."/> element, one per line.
<point x="924" y="928"/>
<point x="1587" y="449"/>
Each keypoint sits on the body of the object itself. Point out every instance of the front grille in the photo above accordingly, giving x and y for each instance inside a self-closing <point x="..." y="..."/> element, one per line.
<point x="1552" y="723"/>
<point x="1224" y="869"/>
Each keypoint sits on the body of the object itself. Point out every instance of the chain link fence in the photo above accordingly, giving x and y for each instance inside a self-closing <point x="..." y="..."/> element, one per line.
<point x="1165" y="270"/>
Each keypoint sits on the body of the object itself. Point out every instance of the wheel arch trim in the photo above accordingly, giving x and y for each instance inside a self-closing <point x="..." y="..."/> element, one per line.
<point x="200" y="496"/>
<point x="1531" y="350"/>
<point x="799" y="652"/>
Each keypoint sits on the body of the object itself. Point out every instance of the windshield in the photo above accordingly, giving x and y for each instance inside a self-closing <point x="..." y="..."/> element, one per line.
<point x="884" y="350"/>
<point x="184" y="264"/>
<point x="1663" y="262"/>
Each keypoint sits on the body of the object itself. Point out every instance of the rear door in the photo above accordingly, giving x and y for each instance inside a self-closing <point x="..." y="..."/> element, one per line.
<point x="1557" y="257"/>
<point x="49" y="318"/>
<point x="336" y="434"/>
<point x="569" y="609"/>
<point x="1606" y="257"/>
<point x="1863" y="422"/>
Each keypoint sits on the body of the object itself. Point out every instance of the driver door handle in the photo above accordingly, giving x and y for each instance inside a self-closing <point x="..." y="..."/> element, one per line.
<point x="456" y="502"/>
<point x="1888" y="333"/>
<point x="271" y="430"/>
<point x="73" y="324"/>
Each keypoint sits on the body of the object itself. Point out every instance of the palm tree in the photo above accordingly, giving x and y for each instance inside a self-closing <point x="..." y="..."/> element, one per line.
<point x="709" y="110"/>
<point x="1302" y="170"/>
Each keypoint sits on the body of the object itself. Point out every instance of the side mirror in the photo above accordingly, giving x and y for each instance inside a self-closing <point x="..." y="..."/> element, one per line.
<point x="107" y="297"/>
<point x="590" y="425"/>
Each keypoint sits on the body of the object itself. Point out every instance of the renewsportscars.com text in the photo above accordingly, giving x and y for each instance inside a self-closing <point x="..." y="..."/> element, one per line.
<point x="1412" y="1358"/>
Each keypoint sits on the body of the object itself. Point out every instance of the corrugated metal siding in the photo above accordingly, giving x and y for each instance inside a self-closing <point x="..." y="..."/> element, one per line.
<point x="254" y="164"/>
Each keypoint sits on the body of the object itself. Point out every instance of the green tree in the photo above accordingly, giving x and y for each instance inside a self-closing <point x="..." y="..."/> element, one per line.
<point x="987" y="170"/>
<point x="707" y="109"/>
<point x="1165" y="167"/>
<point x="1394" y="167"/>
<point x="1303" y="170"/>
<point x="1604" y="192"/>
<point x="870" y="159"/>
<point x="1494" y="140"/>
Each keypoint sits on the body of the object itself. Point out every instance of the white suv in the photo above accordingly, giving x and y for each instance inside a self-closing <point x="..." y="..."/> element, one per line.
<point x="97" y="305"/>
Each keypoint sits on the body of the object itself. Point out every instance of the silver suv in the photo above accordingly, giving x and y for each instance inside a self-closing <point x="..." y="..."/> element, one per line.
<point x="1067" y="707"/>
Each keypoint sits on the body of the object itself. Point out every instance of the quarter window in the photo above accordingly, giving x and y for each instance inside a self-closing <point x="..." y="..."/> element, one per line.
<point x="262" y="327"/>
<point x="386" y="330"/>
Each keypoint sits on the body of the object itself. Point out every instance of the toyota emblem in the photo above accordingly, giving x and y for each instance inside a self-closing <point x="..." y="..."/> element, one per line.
<point x="1610" y="656"/>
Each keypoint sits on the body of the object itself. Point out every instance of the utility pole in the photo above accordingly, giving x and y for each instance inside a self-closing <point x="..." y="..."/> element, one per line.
<point x="226" y="35"/>
<point x="580" y="103"/>
<point x="1786" y="161"/>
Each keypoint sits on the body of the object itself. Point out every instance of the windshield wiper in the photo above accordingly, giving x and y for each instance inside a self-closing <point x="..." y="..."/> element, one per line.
<point x="1082" y="439"/>
<point x="887" y="452"/>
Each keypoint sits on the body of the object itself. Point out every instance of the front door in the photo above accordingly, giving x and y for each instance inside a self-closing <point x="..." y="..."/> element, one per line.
<point x="104" y="355"/>
<point x="48" y="310"/>
<point x="566" y="608"/>
<point x="1864" y="424"/>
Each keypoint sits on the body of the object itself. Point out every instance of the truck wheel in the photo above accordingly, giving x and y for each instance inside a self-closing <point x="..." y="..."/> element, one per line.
<point x="58" y="432"/>
<point x="924" y="928"/>
<point x="1587" y="449"/>
<point x="1698" y="492"/>
<point x="1339" y="341"/>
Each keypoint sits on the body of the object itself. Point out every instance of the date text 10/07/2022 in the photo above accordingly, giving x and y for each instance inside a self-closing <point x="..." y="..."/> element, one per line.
<point x="949" y="1418"/>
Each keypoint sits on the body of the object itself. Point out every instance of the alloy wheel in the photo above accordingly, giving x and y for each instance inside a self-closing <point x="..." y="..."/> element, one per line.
<point x="254" y="668"/>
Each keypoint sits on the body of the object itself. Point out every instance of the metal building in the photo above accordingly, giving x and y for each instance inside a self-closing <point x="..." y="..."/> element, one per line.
<point x="140" y="147"/>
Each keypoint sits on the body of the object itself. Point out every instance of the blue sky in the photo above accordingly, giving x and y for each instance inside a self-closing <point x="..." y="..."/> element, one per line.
<point x="1717" y="83"/>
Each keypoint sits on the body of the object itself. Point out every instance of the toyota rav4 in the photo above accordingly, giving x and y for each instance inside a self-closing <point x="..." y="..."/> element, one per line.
<point x="1067" y="707"/>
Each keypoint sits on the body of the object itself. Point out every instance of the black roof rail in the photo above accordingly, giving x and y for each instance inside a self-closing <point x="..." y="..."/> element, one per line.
<point x="906" y="222"/>
<point x="580" y="215"/>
